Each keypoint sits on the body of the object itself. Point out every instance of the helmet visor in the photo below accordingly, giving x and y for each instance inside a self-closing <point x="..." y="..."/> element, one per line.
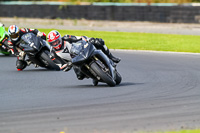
<point x="55" y="43"/>
<point x="14" y="35"/>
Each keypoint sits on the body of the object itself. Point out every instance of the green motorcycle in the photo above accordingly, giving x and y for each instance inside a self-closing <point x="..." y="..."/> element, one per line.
<point x="4" y="41"/>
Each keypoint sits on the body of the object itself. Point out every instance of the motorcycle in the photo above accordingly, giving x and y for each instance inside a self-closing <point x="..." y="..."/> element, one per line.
<point x="5" y="50"/>
<point x="4" y="39"/>
<point x="93" y="63"/>
<point x="38" y="51"/>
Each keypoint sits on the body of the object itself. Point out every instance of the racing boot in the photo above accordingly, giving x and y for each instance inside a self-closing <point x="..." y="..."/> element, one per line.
<point x="95" y="82"/>
<point x="20" y="65"/>
<point x="79" y="74"/>
<point x="113" y="58"/>
<point x="100" y="44"/>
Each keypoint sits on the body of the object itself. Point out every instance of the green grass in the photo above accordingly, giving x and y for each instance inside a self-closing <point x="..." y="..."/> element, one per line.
<point x="182" y="131"/>
<point x="142" y="41"/>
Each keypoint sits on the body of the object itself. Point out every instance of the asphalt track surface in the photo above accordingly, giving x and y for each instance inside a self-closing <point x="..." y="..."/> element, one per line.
<point x="159" y="92"/>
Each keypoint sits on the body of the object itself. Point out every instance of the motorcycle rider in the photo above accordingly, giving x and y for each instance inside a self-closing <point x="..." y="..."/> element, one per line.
<point x="15" y="34"/>
<point x="63" y="45"/>
<point x="4" y="41"/>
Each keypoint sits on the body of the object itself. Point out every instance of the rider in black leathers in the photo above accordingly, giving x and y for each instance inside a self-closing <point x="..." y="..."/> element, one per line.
<point x="15" y="34"/>
<point x="63" y="45"/>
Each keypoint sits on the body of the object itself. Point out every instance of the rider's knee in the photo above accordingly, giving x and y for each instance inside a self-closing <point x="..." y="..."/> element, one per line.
<point x="20" y="64"/>
<point x="98" y="42"/>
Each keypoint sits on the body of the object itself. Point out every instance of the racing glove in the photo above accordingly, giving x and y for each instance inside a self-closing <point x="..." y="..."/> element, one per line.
<point x="66" y="67"/>
<point x="42" y="35"/>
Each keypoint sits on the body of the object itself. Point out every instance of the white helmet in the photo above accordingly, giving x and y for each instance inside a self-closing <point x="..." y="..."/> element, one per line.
<point x="13" y="32"/>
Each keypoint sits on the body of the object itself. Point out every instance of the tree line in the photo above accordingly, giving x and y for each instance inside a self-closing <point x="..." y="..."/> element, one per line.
<point x="121" y="1"/>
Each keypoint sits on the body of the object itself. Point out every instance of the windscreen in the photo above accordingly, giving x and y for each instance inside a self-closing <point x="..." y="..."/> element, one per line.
<point x="76" y="48"/>
<point x="28" y="38"/>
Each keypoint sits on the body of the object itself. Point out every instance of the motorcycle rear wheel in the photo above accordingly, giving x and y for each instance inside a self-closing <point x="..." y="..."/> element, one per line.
<point x="49" y="64"/>
<point x="105" y="77"/>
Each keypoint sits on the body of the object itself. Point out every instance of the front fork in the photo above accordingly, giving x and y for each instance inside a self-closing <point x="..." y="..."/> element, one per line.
<point x="105" y="69"/>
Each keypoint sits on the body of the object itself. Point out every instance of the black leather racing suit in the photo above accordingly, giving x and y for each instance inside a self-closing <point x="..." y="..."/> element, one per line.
<point x="98" y="43"/>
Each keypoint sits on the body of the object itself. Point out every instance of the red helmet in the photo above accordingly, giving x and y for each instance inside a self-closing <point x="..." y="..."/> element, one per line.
<point x="54" y="39"/>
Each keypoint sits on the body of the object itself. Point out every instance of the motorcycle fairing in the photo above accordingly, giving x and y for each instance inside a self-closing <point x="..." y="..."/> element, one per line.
<point x="82" y="52"/>
<point x="32" y="44"/>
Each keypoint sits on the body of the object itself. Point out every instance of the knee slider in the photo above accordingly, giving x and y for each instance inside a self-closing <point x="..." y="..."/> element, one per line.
<point x="20" y="64"/>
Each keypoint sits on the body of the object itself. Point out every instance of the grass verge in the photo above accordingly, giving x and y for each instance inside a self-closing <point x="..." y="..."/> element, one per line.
<point x="142" y="41"/>
<point x="182" y="131"/>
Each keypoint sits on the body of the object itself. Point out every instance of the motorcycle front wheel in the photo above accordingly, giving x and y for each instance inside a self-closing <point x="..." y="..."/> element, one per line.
<point x="118" y="78"/>
<point x="104" y="76"/>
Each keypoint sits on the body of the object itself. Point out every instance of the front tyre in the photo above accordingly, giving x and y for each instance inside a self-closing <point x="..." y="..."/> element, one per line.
<point x="104" y="76"/>
<point x="48" y="63"/>
<point x="118" y="78"/>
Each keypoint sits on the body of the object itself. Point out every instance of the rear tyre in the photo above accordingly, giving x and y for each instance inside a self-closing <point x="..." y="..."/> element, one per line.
<point x="48" y="63"/>
<point x="104" y="76"/>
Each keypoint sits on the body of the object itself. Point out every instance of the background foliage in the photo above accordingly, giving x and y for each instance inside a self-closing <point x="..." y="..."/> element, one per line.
<point x="121" y="1"/>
